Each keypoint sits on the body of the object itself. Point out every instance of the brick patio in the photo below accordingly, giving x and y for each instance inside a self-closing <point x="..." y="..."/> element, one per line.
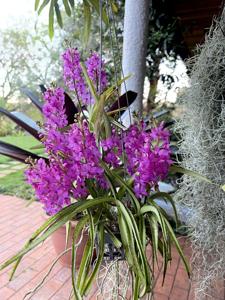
<point x="17" y="222"/>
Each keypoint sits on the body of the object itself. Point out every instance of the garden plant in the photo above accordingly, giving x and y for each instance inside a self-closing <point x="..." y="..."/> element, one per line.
<point x="102" y="175"/>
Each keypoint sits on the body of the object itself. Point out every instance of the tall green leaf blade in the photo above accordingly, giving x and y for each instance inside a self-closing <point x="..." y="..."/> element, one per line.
<point x="87" y="22"/>
<point x="177" y="245"/>
<point x="89" y="82"/>
<point x="51" y="20"/>
<point x="58" y="15"/>
<point x="67" y="7"/>
<point x="79" y="226"/>
<point x="44" y="3"/>
<point x="36" y="4"/>
<point x="179" y="169"/>
<point x="95" y="4"/>
<point x="167" y="198"/>
<point x="71" y="3"/>
<point x="101" y="248"/>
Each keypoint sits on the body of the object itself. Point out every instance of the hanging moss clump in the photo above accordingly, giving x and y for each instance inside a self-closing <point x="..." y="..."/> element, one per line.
<point x="202" y="128"/>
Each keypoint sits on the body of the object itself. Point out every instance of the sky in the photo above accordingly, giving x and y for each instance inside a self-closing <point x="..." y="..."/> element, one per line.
<point x="21" y="13"/>
<point x="18" y="12"/>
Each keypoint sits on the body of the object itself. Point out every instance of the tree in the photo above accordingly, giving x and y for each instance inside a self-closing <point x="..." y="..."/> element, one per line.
<point x="134" y="49"/>
<point x="26" y="59"/>
<point x="164" y="42"/>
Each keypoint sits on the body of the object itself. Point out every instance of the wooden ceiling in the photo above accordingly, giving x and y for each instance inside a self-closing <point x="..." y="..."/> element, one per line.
<point x="195" y="18"/>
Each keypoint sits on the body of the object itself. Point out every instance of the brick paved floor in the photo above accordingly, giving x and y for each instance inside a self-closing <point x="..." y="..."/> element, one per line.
<point x="17" y="222"/>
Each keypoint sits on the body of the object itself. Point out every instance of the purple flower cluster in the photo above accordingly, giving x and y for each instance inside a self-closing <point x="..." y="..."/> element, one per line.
<point x="51" y="185"/>
<point x="112" y="148"/>
<point x="74" y="155"/>
<point x="53" y="109"/>
<point x="96" y="71"/>
<point x="148" y="156"/>
<point x="73" y="158"/>
<point x="73" y="75"/>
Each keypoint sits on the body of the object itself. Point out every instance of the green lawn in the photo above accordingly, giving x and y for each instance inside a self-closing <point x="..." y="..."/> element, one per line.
<point x="22" y="141"/>
<point x="14" y="183"/>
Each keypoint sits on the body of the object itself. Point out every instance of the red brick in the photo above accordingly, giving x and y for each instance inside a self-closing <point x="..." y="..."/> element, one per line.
<point x="5" y="293"/>
<point x="166" y="287"/>
<point x="63" y="275"/>
<point x="182" y="280"/>
<point x="65" y="291"/>
<point x="158" y="296"/>
<point x="178" y="294"/>
<point x="191" y="295"/>
<point x="22" y="279"/>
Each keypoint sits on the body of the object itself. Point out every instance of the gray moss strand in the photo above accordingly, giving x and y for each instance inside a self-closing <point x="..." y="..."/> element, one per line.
<point x="202" y="128"/>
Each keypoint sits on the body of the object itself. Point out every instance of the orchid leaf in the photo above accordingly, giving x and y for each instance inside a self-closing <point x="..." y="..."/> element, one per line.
<point x="101" y="248"/>
<point x="179" y="169"/>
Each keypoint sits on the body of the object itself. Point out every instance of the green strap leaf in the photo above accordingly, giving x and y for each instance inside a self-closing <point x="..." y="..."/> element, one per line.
<point x="121" y="181"/>
<point x="177" y="245"/>
<point x="117" y="243"/>
<point x="51" y="19"/>
<point x="128" y="216"/>
<point x="80" y="225"/>
<point x="71" y="3"/>
<point x="154" y="237"/>
<point x="87" y="22"/>
<point x="67" y="7"/>
<point x="89" y="82"/>
<point x="44" y="3"/>
<point x="179" y="169"/>
<point x="58" y="15"/>
<point x="167" y="198"/>
<point x="95" y="4"/>
<point x="37" y="2"/>
<point x="101" y="248"/>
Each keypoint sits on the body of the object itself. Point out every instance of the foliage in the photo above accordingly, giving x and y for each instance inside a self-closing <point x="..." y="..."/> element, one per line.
<point x="165" y="42"/>
<point x="88" y="6"/>
<point x="103" y="199"/>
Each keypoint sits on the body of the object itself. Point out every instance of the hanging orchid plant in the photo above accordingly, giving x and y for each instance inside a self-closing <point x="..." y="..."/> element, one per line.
<point x="103" y="175"/>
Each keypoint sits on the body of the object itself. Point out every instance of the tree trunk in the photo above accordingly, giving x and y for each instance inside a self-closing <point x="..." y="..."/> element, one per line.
<point x="134" y="50"/>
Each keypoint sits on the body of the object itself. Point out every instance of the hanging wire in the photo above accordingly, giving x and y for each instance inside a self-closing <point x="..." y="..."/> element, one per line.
<point x="101" y="38"/>
<point x="120" y="61"/>
<point x="109" y="13"/>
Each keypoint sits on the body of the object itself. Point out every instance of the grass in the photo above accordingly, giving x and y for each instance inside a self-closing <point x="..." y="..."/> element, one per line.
<point x="23" y="141"/>
<point x="14" y="183"/>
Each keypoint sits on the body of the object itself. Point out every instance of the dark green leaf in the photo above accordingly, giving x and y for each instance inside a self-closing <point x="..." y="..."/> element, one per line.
<point x="44" y="3"/>
<point x="35" y="100"/>
<point x="51" y="20"/>
<point x="95" y="4"/>
<point x="71" y="3"/>
<point x="67" y="7"/>
<point x="16" y="152"/>
<point x="23" y="121"/>
<point x="58" y="15"/>
<point x="87" y="22"/>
